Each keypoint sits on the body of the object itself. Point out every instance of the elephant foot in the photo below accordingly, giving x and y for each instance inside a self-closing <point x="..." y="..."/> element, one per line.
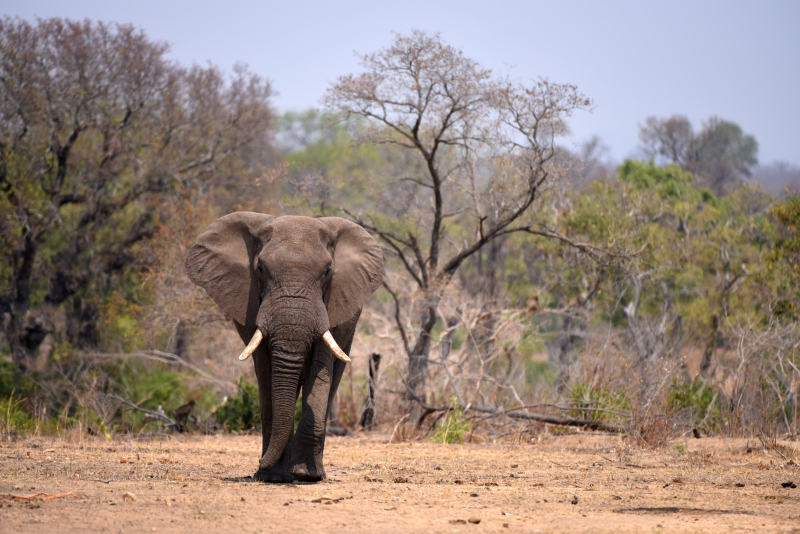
<point x="273" y="477"/>
<point x="302" y="472"/>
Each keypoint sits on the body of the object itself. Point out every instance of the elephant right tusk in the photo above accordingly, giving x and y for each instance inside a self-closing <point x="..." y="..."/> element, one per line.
<point x="337" y="351"/>
<point x="251" y="347"/>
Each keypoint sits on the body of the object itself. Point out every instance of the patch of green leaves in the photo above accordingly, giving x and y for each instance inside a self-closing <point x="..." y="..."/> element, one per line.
<point x="539" y="372"/>
<point x="453" y="425"/>
<point x="598" y="404"/>
<point x="12" y="417"/>
<point x="695" y="398"/>
<point x="680" y="448"/>
<point x="241" y="411"/>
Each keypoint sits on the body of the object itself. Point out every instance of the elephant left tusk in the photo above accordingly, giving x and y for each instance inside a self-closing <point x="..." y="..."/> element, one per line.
<point x="338" y="352"/>
<point x="251" y="347"/>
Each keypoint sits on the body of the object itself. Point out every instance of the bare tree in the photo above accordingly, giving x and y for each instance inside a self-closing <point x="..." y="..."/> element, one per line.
<point x="484" y="149"/>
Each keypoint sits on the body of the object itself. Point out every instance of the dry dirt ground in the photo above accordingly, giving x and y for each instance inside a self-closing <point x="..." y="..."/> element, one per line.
<point x="568" y="483"/>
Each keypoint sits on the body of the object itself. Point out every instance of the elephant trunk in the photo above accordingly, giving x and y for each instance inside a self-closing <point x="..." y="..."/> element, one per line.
<point x="292" y="325"/>
<point x="286" y="369"/>
<point x="289" y="343"/>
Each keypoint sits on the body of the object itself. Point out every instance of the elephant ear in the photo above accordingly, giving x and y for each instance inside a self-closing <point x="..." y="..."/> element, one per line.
<point x="222" y="260"/>
<point x="357" y="269"/>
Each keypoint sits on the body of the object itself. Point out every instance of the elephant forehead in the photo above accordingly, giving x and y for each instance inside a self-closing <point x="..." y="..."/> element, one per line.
<point x="301" y="234"/>
<point x="301" y="227"/>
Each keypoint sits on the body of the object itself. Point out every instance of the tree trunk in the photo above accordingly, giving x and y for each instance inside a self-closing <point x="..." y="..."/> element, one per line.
<point x="564" y="355"/>
<point x="368" y="417"/>
<point x="418" y="362"/>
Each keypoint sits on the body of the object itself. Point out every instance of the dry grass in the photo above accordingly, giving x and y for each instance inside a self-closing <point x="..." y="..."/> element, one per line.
<point x="198" y="484"/>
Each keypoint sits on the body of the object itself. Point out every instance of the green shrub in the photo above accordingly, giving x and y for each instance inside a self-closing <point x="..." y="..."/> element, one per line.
<point x="453" y="426"/>
<point x="241" y="411"/>
<point x="542" y="373"/>
<point x="12" y="383"/>
<point x="149" y="386"/>
<point x="598" y="404"/>
<point x="12" y="417"/>
<point x="695" y="398"/>
<point x="7" y="371"/>
<point x="153" y="388"/>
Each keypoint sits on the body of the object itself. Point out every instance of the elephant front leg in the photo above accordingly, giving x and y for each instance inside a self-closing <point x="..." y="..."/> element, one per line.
<point x="263" y="368"/>
<point x="320" y="383"/>
<point x="305" y="461"/>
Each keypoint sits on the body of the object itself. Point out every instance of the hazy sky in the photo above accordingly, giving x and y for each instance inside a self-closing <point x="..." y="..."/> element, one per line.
<point x="734" y="59"/>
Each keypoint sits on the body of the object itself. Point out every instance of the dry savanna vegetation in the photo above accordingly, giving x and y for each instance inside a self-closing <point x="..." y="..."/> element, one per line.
<point x="533" y="295"/>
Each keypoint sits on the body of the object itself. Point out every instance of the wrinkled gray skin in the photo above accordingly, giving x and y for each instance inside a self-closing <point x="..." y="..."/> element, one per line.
<point x="293" y="278"/>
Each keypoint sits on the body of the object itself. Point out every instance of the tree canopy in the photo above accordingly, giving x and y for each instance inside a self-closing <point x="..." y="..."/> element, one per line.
<point x="99" y="134"/>
<point x="720" y="154"/>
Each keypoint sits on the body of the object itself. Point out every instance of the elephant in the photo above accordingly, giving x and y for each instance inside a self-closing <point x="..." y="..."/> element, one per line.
<point x="294" y="287"/>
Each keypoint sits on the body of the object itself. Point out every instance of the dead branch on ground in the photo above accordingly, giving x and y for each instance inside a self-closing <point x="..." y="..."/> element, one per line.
<point x="46" y="496"/>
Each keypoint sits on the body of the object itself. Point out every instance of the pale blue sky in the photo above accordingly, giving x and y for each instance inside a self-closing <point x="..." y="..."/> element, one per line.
<point x="734" y="59"/>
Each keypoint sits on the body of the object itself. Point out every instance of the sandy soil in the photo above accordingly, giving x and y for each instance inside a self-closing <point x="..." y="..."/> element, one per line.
<point x="573" y="483"/>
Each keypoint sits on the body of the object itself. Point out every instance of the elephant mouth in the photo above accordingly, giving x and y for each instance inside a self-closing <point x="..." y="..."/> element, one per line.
<point x="255" y="341"/>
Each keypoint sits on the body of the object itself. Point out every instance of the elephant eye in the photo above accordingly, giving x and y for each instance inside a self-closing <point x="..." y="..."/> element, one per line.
<point x="328" y="271"/>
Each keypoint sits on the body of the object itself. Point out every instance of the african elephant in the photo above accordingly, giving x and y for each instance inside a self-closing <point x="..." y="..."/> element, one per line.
<point x="299" y="284"/>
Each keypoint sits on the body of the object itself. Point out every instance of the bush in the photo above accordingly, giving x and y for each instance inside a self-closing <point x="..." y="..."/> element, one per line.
<point x="598" y="404"/>
<point x="542" y="373"/>
<point x="12" y="382"/>
<point x="12" y="417"/>
<point x="149" y="386"/>
<point x="7" y="371"/>
<point x="696" y="399"/>
<point x="153" y="388"/>
<point x="453" y="426"/>
<point x="241" y="411"/>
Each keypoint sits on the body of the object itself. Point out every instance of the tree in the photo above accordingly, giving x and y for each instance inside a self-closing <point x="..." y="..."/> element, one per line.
<point x="720" y="154"/>
<point x="480" y="149"/>
<point x="99" y="133"/>
<point x="669" y="138"/>
<point x="782" y="265"/>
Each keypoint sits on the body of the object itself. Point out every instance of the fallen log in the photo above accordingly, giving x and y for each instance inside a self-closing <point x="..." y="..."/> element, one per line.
<point x="568" y="421"/>
<point x="554" y="420"/>
<point x="515" y="413"/>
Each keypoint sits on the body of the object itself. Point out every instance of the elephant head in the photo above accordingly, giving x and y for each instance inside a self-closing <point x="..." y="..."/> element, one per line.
<point x="287" y="280"/>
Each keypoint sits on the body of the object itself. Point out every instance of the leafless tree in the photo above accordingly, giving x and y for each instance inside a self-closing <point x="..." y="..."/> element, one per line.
<point x="484" y="149"/>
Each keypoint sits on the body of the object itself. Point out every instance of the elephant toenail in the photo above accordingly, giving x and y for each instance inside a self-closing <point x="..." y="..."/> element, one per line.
<point x="300" y="471"/>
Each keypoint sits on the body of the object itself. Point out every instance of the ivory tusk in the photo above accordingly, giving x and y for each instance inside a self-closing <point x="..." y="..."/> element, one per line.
<point x="251" y="347"/>
<point x="338" y="352"/>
